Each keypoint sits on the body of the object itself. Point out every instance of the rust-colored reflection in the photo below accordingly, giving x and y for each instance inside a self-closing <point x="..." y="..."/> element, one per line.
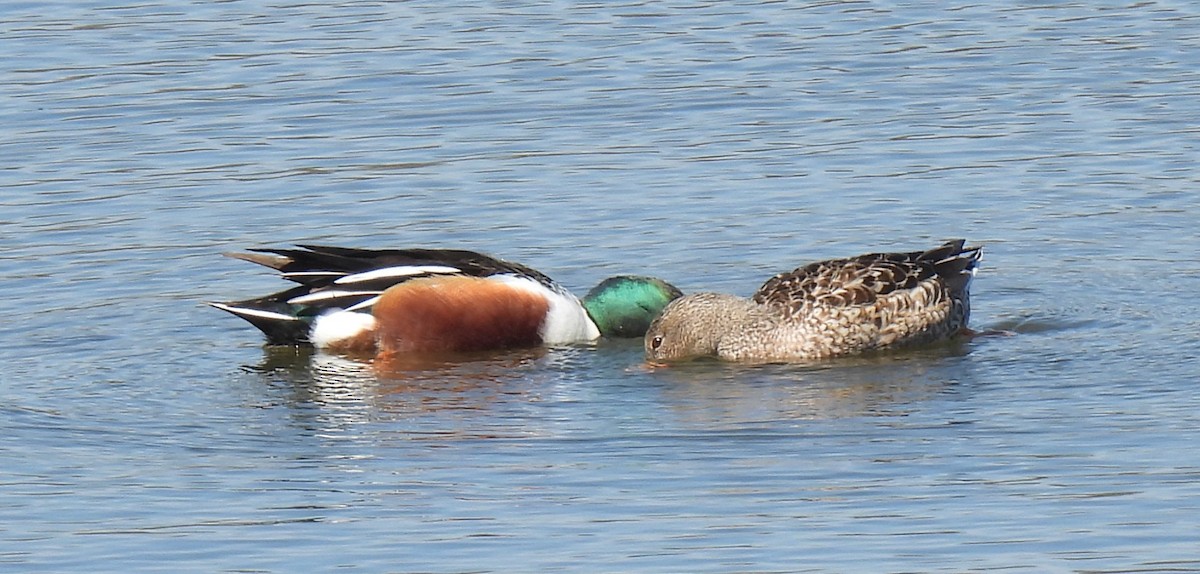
<point x="476" y="364"/>
<point x="441" y="390"/>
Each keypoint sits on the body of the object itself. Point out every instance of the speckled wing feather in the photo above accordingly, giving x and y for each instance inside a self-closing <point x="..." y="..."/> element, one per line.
<point x="943" y="271"/>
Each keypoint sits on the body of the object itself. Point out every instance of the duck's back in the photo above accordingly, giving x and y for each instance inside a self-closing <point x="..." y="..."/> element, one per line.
<point x="872" y="301"/>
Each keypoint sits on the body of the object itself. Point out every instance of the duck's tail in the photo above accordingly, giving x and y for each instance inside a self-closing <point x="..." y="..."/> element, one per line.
<point x="282" y="323"/>
<point x="955" y="262"/>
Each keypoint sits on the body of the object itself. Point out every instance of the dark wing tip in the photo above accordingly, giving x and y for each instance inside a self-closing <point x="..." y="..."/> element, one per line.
<point x="955" y="263"/>
<point x="279" y="328"/>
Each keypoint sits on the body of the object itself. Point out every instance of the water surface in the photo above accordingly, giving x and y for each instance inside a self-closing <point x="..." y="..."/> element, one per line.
<point x="712" y="144"/>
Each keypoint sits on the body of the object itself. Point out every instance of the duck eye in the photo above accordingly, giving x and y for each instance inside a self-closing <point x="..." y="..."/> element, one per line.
<point x="656" y="342"/>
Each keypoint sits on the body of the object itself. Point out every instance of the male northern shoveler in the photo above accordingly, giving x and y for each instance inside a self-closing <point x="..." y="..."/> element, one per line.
<point x="389" y="302"/>
<point x="826" y="309"/>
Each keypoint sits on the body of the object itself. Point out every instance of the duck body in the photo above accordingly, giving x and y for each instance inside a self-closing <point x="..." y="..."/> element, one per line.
<point x="826" y="309"/>
<point x="409" y="301"/>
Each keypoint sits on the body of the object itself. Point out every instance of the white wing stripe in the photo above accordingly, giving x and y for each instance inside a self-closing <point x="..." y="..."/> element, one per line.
<point x="327" y="295"/>
<point x="401" y="271"/>
<point x="311" y="274"/>
<point x="254" y="312"/>
<point x="364" y="304"/>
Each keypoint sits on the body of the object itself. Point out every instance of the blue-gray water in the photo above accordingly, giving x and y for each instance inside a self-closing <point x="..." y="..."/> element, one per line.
<point x="711" y="143"/>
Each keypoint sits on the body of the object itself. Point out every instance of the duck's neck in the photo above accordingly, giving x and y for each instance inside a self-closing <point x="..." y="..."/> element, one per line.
<point x="737" y="324"/>
<point x="727" y="317"/>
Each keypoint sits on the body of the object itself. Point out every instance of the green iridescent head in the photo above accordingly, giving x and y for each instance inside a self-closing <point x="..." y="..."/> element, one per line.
<point x="625" y="305"/>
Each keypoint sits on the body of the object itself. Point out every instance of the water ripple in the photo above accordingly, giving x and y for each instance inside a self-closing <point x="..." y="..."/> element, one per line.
<point x="711" y="143"/>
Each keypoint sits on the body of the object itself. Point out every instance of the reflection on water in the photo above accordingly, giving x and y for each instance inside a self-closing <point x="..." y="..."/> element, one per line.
<point x="702" y="394"/>
<point x="707" y="394"/>
<point x="434" y="392"/>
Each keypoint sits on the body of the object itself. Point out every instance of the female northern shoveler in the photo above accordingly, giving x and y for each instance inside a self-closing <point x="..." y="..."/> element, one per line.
<point x="825" y="309"/>
<point x="395" y="301"/>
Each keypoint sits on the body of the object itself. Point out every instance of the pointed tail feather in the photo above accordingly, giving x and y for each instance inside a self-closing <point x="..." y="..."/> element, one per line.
<point x="955" y="262"/>
<point x="276" y="262"/>
<point x="275" y="320"/>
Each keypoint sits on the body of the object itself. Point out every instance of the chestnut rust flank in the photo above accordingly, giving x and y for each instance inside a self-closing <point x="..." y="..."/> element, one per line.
<point x="456" y="313"/>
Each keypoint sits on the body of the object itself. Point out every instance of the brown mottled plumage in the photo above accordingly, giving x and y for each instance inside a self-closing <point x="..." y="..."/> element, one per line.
<point x="826" y="309"/>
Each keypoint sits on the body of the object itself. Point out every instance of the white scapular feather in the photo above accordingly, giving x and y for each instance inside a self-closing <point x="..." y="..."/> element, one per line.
<point x="254" y="312"/>
<point x="364" y="304"/>
<point x="399" y="271"/>
<point x="311" y="274"/>
<point x="327" y="295"/>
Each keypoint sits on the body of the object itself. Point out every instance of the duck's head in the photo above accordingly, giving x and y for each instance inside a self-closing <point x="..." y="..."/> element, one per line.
<point x="694" y="326"/>
<point x="625" y="305"/>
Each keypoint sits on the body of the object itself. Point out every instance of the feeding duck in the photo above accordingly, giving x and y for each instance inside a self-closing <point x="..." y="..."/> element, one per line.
<point x="826" y="309"/>
<point x="388" y="302"/>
